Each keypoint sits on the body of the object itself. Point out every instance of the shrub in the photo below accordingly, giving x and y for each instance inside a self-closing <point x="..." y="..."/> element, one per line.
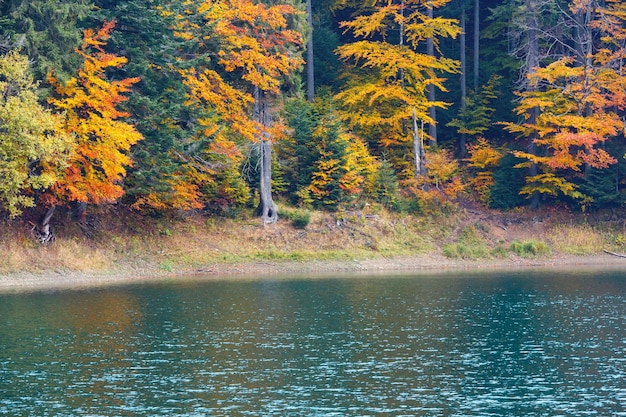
<point x="529" y="248"/>
<point x="500" y="251"/>
<point x="465" y="251"/>
<point x="300" y="219"/>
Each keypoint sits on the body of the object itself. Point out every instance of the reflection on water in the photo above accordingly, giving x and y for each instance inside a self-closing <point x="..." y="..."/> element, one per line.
<point x="498" y="345"/>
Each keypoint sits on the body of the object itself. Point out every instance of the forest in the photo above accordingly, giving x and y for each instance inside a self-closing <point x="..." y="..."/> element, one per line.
<point x="221" y="106"/>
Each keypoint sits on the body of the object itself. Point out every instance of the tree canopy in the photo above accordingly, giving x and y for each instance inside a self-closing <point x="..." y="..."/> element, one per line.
<point x="165" y="105"/>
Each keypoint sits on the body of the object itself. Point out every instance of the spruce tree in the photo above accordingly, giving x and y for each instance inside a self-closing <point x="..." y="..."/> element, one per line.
<point x="47" y="31"/>
<point x="299" y="152"/>
<point x="144" y="35"/>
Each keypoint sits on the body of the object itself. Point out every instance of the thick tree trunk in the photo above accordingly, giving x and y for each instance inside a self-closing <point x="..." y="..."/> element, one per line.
<point x="310" y="68"/>
<point x="267" y="208"/>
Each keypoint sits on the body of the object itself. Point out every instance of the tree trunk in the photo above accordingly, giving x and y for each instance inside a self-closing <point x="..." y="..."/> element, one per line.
<point x="418" y="148"/>
<point x="462" y="136"/>
<point x="532" y="149"/>
<point x="432" y="110"/>
<point x="310" y="73"/>
<point x="267" y="207"/>
<point x="584" y="49"/>
<point x="80" y="212"/>
<point x="584" y="37"/>
<point x="401" y="70"/>
<point x="476" y="43"/>
<point x="532" y="61"/>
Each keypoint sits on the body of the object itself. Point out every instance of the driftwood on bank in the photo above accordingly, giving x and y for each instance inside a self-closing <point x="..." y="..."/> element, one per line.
<point x="619" y="255"/>
<point x="41" y="230"/>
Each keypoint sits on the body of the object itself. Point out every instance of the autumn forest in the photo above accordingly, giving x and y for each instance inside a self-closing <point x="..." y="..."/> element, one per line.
<point x="228" y="105"/>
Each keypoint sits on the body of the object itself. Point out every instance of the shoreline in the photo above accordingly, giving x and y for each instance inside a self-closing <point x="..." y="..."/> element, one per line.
<point x="422" y="264"/>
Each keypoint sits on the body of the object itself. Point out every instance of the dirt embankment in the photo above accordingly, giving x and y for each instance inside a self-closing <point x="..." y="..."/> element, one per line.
<point x="198" y="249"/>
<point x="423" y="264"/>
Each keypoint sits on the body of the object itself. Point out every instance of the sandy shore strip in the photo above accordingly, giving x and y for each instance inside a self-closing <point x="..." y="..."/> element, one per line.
<point x="60" y="280"/>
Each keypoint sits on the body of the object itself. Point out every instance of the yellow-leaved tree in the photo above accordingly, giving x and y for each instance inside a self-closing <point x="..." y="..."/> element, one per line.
<point x="483" y="159"/>
<point x="256" y="49"/>
<point x="344" y="168"/>
<point x="33" y="145"/>
<point x="391" y="93"/>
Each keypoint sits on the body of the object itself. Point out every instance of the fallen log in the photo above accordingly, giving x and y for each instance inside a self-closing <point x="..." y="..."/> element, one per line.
<point x="619" y="255"/>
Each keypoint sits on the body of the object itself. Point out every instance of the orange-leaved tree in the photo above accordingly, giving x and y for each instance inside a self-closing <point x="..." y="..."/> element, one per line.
<point x="103" y="137"/>
<point x="572" y="124"/>
<point x="610" y="21"/>
<point x="213" y="154"/>
<point x="578" y="98"/>
<point x="257" y="44"/>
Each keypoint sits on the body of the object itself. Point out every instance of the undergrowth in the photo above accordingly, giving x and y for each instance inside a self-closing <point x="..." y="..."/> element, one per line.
<point x="470" y="244"/>
<point x="580" y="239"/>
<point x="128" y="242"/>
<point x="530" y="248"/>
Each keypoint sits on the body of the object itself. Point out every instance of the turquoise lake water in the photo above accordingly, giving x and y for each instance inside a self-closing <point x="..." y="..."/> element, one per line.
<point x="465" y="344"/>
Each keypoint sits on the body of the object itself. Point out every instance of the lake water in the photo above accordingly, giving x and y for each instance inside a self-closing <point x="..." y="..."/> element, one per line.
<point x="490" y="344"/>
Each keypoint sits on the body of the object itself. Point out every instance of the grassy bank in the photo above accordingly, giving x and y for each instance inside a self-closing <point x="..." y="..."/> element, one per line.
<point x="184" y="243"/>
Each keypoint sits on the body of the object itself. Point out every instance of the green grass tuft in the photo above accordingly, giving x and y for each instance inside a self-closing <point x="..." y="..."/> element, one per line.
<point x="530" y="248"/>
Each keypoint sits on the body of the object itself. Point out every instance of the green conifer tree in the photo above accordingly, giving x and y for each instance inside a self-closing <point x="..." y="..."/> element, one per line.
<point x="47" y="31"/>
<point x="144" y="34"/>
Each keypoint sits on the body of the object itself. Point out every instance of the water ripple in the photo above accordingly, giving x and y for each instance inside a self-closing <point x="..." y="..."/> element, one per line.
<point x="440" y="346"/>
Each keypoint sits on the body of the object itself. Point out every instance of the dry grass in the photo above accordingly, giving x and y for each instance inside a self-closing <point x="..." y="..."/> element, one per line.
<point x="324" y="238"/>
<point x="577" y="239"/>
<point x="63" y="255"/>
<point x="195" y="242"/>
<point x="129" y="242"/>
